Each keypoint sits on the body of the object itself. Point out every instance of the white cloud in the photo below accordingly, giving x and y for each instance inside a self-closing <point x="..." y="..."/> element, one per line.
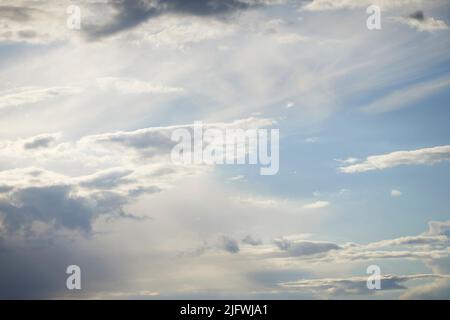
<point x="355" y="285"/>
<point x="133" y="86"/>
<point x="425" y="156"/>
<point x="29" y="95"/>
<point x="316" y="205"/>
<point x="406" y="96"/>
<point x="396" y="193"/>
<point x="418" y="21"/>
<point x="319" y="5"/>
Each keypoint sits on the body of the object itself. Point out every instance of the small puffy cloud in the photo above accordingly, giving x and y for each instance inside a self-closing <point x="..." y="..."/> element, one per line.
<point x="425" y="156"/>
<point x="396" y="193"/>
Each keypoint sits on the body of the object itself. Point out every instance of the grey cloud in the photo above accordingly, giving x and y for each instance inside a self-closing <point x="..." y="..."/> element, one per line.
<point x="251" y="241"/>
<point x="148" y="142"/>
<point x="136" y="192"/>
<point x="418" y="15"/>
<point x="14" y="13"/>
<point x="107" y="179"/>
<point x="58" y="207"/>
<point x="355" y="285"/>
<point x="305" y="248"/>
<point x="437" y="290"/>
<point x="5" y="189"/>
<point x="41" y="141"/>
<point x="54" y="205"/>
<point x="131" y="13"/>
<point x="230" y="245"/>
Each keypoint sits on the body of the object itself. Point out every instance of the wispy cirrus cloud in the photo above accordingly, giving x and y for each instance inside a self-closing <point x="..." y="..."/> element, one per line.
<point x="425" y="156"/>
<point x="29" y="95"/>
<point x="404" y="97"/>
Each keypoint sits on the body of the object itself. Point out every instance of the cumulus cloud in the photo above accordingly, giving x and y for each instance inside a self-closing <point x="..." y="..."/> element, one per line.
<point x="425" y="156"/>
<point x="396" y="193"/>
<point x="32" y="195"/>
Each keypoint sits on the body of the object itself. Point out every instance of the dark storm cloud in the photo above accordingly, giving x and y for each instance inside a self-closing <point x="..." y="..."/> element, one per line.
<point x="131" y="13"/>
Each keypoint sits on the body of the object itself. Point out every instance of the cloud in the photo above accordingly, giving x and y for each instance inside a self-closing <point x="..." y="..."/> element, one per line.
<point x="433" y="240"/>
<point x="317" y="205"/>
<point x="131" y="13"/>
<point x="324" y="5"/>
<point x="437" y="290"/>
<point x="296" y="248"/>
<point x="29" y="95"/>
<point x="230" y="245"/>
<point x="439" y="228"/>
<point x="41" y="141"/>
<point x="417" y="20"/>
<point x="396" y="193"/>
<point x="355" y="285"/>
<point x="251" y="241"/>
<point x="236" y="178"/>
<point x="425" y="156"/>
<point x="51" y="205"/>
<point x="133" y="86"/>
<point x="406" y="96"/>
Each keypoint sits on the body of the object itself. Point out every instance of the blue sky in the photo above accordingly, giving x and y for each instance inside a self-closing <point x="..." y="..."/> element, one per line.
<point x="86" y="176"/>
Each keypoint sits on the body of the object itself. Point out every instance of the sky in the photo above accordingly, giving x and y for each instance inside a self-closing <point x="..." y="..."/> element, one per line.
<point x="86" y="177"/>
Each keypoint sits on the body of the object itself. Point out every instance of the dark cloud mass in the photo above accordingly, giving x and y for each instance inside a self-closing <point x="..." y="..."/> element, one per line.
<point x="131" y="13"/>
<point x="49" y="205"/>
